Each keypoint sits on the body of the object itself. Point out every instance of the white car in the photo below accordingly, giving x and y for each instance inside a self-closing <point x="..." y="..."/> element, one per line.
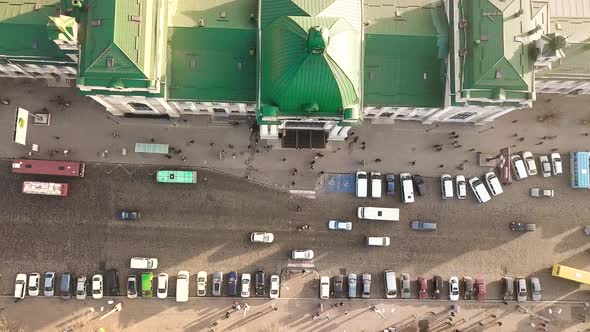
<point x="81" y="288"/>
<point x="529" y="162"/>
<point x="201" y="283"/>
<point x="556" y="162"/>
<point x="480" y="191"/>
<point x="376" y="185"/>
<point x="262" y="237"/>
<point x="454" y="289"/>
<point x="324" y="288"/>
<point x="446" y="185"/>
<point x="302" y="254"/>
<point x="538" y="192"/>
<point x="34" y="280"/>
<point x="545" y="166"/>
<point x="97" y="286"/>
<point x="493" y="183"/>
<point x="49" y="287"/>
<point x="275" y="286"/>
<point x="461" y="187"/>
<point x="246" y="278"/>
<point x="162" y="290"/>
<point x="340" y="225"/>
<point x="143" y="263"/>
<point x="20" y="286"/>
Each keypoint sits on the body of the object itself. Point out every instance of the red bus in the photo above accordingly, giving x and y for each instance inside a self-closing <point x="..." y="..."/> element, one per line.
<point x="48" y="167"/>
<point x="45" y="188"/>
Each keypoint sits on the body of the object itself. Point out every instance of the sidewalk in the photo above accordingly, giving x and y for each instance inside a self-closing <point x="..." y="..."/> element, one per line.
<point x="87" y="130"/>
<point x="210" y="314"/>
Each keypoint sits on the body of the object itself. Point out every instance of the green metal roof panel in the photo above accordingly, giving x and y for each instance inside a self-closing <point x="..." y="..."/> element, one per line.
<point x="23" y="27"/>
<point x="212" y="64"/>
<point x="274" y="9"/>
<point x="295" y="77"/>
<point x="227" y="14"/>
<point x="575" y="64"/>
<point x="494" y="58"/>
<point x="313" y="7"/>
<point x="396" y="76"/>
<point x="406" y="44"/>
<point x="120" y="40"/>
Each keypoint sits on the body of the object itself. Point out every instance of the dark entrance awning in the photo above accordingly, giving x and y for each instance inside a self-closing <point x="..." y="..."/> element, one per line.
<point x="304" y="139"/>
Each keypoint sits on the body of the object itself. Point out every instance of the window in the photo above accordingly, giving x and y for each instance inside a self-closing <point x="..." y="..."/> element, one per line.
<point x="140" y="107"/>
<point x="401" y="115"/>
<point x="385" y="114"/>
<point x="462" y="116"/>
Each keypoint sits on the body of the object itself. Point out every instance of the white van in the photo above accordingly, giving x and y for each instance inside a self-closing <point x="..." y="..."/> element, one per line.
<point x="493" y="183"/>
<point x="182" y="284"/>
<point x="20" y="286"/>
<point x="144" y="263"/>
<point x="407" y="188"/>
<point x="376" y="185"/>
<point x="480" y="191"/>
<point x="518" y="167"/>
<point x="324" y="288"/>
<point x="390" y="285"/>
<point x="446" y="185"/>
<point x="361" y="184"/>
<point x="381" y="241"/>
<point x="378" y="213"/>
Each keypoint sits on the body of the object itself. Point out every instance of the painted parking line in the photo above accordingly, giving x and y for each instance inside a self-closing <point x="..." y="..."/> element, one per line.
<point x="340" y="182"/>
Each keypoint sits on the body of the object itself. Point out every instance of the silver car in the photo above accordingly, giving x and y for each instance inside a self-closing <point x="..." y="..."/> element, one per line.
<point x="521" y="290"/>
<point x="536" y="288"/>
<point x="49" y="288"/>
<point x="351" y="285"/>
<point x="406" y="292"/>
<point x="217" y="282"/>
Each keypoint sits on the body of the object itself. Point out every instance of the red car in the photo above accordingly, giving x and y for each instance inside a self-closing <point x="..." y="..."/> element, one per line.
<point x="480" y="288"/>
<point x="422" y="288"/>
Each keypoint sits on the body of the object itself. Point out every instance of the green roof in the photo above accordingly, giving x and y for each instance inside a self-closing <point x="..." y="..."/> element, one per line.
<point x="24" y="31"/>
<point x="310" y="65"/>
<point x="495" y="60"/>
<point x="405" y="49"/>
<point x="119" y="48"/>
<point x="216" y="61"/>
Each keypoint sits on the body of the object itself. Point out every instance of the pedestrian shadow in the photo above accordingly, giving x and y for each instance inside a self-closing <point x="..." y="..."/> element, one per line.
<point x="205" y="320"/>
<point x="252" y="317"/>
<point x="323" y="324"/>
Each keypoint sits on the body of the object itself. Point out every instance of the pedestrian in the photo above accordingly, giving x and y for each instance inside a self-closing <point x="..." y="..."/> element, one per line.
<point x="66" y="152"/>
<point x="441" y="166"/>
<point x="183" y="158"/>
<point x="452" y="133"/>
<point x="317" y="314"/>
<point x="363" y="147"/>
<point x="152" y="140"/>
<point x="335" y="305"/>
<point x="322" y="172"/>
<point x="312" y="167"/>
<point x="295" y="171"/>
<point x="458" y="146"/>
<point x="471" y="150"/>
<point x="57" y="137"/>
<point x="192" y="141"/>
<point x="275" y="308"/>
<point x="413" y="162"/>
<point x="539" y="143"/>
<point x="312" y="162"/>
<point x="168" y="156"/>
<point x="231" y="146"/>
<point x="298" y="208"/>
<point x="521" y="139"/>
<point x="586" y="134"/>
<point x="514" y="121"/>
<point x="346" y="313"/>
<point x="328" y="316"/>
<point x="284" y="159"/>
<point x="378" y="160"/>
<point x="227" y="314"/>
<point x="292" y="183"/>
<point x="341" y="304"/>
<point x="515" y="135"/>
<point x="211" y="144"/>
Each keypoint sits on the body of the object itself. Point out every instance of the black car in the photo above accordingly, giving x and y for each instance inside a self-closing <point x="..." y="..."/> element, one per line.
<point x="232" y="282"/>
<point x="111" y="279"/>
<point x="127" y="215"/>
<point x="260" y="283"/>
<point x="390" y="180"/>
<point x="420" y="185"/>
<point x="437" y="287"/>
<point x="338" y="285"/>
<point x="468" y="288"/>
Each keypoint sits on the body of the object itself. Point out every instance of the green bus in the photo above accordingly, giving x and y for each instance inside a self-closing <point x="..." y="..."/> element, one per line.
<point x="177" y="176"/>
<point x="147" y="284"/>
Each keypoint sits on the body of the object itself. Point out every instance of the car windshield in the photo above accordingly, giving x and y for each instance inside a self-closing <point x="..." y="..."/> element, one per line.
<point x="245" y="281"/>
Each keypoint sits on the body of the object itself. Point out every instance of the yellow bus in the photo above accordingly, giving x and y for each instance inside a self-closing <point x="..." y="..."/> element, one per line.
<point x="570" y="273"/>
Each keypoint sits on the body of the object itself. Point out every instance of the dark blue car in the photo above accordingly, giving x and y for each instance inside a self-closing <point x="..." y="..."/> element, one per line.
<point x="232" y="280"/>
<point x="390" y="180"/>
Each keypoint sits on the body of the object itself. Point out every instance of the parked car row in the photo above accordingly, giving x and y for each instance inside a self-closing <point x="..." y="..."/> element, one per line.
<point x="407" y="184"/>
<point x="107" y="284"/>
<point x="524" y="165"/>
<point x="469" y="289"/>
<point x="521" y="289"/>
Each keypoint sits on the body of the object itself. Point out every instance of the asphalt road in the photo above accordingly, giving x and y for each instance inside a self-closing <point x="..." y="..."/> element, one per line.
<point x="207" y="226"/>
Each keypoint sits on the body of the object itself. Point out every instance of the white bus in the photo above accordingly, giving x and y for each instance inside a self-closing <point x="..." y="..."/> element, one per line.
<point x="378" y="213"/>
